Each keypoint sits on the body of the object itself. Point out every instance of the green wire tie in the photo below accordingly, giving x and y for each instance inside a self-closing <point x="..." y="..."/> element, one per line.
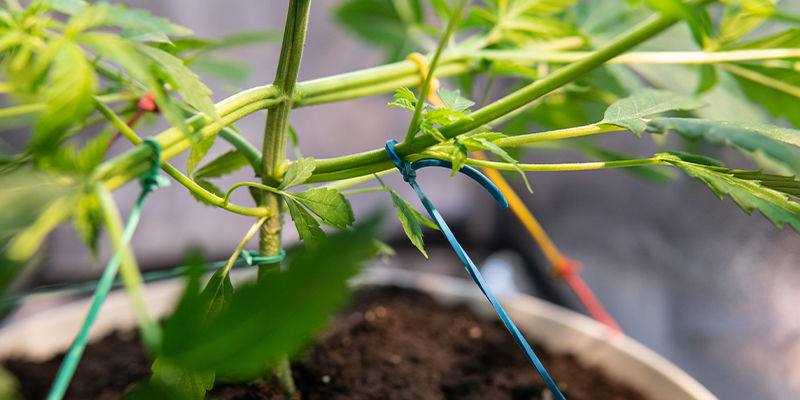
<point x="149" y="181"/>
<point x="246" y="257"/>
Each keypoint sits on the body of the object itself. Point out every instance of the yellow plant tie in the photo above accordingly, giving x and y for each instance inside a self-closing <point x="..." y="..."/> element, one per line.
<point x="422" y="64"/>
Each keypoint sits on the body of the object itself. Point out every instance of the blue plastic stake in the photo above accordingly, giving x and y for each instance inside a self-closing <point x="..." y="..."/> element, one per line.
<point x="409" y="171"/>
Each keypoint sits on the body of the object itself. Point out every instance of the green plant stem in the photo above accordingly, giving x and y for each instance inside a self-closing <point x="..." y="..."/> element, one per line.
<point x="578" y="131"/>
<point x="193" y="187"/>
<point x="122" y="169"/>
<point x="413" y="127"/>
<point x="361" y="191"/>
<point x="580" y="166"/>
<point x="346" y="183"/>
<point x="31" y="108"/>
<point x="250" y="152"/>
<point x="276" y="133"/>
<point x="767" y="81"/>
<point x="250" y="184"/>
<point x="640" y="57"/>
<point x="237" y="253"/>
<point x="377" y="158"/>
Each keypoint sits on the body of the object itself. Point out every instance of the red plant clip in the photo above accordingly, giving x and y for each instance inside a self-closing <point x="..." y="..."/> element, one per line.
<point x="146" y="104"/>
<point x="569" y="270"/>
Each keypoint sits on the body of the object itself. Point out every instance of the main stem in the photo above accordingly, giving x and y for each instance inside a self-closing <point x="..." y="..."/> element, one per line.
<point x="274" y="147"/>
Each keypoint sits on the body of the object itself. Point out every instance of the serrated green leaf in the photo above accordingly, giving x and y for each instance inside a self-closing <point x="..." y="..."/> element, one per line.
<point x="87" y="221"/>
<point x="33" y="204"/>
<point x="273" y="317"/>
<point x="747" y="194"/>
<point x="458" y="156"/>
<point x="142" y="21"/>
<point x="453" y="100"/>
<point x="696" y="15"/>
<point x="225" y="70"/>
<point x="383" y="24"/>
<point x="404" y="98"/>
<point x="69" y="97"/>
<point x="298" y="172"/>
<point x="198" y="152"/>
<point x="787" y="39"/>
<point x="307" y="226"/>
<point x="741" y="17"/>
<point x="777" y="89"/>
<point x="183" y="80"/>
<point x="481" y="143"/>
<point x="428" y="128"/>
<point x="187" y="384"/>
<point x="193" y="307"/>
<point x="708" y="78"/>
<point x="764" y="140"/>
<point x="443" y="116"/>
<point x="328" y="204"/>
<point x="222" y="165"/>
<point x="145" y="37"/>
<point x="405" y="213"/>
<point x="628" y="112"/>
<point x="199" y="47"/>
<point x="521" y="22"/>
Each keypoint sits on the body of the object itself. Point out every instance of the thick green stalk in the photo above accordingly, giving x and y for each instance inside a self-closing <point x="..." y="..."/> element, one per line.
<point x="376" y="158"/>
<point x="273" y="156"/>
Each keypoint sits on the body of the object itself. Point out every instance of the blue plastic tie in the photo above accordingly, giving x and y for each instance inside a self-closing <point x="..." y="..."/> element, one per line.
<point x="409" y="175"/>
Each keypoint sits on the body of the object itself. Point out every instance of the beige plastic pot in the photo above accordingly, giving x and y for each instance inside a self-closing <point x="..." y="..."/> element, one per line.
<point x="42" y="334"/>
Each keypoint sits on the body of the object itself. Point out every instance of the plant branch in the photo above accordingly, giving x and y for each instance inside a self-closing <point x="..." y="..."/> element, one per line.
<point x="580" y="166"/>
<point x="578" y="131"/>
<point x="776" y="84"/>
<point x="642" y="57"/>
<point x="413" y="127"/>
<point x="373" y="161"/>
<point x="250" y="184"/>
<point x="176" y="174"/>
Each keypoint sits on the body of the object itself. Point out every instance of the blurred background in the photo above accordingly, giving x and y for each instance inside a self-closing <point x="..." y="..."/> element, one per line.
<point x="694" y="278"/>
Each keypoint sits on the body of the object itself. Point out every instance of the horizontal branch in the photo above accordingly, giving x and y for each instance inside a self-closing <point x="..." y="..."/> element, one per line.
<point x="640" y="57"/>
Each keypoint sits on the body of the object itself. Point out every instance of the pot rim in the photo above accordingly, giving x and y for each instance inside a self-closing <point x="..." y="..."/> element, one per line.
<point x="555" y="327"/>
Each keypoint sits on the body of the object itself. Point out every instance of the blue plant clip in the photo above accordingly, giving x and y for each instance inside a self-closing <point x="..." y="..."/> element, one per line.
<point x="409" y="171"/>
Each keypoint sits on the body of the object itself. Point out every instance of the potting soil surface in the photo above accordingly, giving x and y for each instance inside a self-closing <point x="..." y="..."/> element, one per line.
<point x="391" y="344"/>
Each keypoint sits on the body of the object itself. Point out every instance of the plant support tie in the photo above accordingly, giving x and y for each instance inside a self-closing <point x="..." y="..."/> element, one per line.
<point x="246" y="257"/>
<point x="149" y="181"/>
<point x="409" y="175"/>
<point x="422" y="64"/>
<point x="563" y="267"/>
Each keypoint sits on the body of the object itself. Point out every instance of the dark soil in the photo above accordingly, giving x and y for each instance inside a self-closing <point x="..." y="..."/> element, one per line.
<point x="392" y="344"/>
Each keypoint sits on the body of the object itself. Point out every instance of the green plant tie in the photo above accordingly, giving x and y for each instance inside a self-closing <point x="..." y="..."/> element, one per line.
<point x="246" y="257"/>
<point x="149" y="181"/>
<point x="409" y="171"/>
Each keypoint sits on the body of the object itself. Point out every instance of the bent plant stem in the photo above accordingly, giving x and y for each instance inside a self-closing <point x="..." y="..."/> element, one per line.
<point x="179" y="177"/>
<point x="273" y="158"/>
